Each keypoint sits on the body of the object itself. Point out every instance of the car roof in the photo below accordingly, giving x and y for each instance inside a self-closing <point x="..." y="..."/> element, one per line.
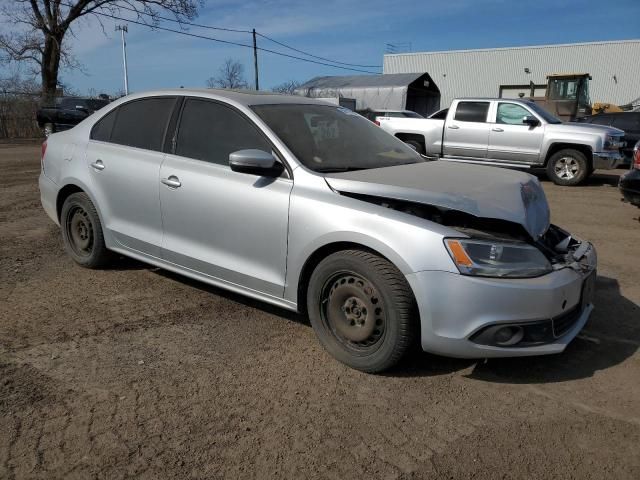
<point x="241" y="97"/>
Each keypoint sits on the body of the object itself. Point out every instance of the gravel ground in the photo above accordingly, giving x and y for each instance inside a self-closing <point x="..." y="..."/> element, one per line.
<point x="136" y="372"/>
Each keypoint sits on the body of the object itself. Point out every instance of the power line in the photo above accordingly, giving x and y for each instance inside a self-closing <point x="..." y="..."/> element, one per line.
<point x="228" y="42"/>
<point x="234" y="30"/>
<point x="315" y="56"/>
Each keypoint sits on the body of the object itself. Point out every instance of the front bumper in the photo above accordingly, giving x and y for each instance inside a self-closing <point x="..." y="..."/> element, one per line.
<point x="608" y="160"/>
<point x="454" y="307"/>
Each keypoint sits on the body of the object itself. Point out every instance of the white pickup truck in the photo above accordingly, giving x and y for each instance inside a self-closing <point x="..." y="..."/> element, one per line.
<point x="511" y="133"/>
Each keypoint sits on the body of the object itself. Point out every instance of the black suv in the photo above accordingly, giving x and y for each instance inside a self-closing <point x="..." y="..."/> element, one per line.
<point x="67" y="113"/>
<point x="627" y="121"/>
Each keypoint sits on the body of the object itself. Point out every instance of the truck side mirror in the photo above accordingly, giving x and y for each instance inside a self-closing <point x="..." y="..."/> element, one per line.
<point x="531" y="121"/>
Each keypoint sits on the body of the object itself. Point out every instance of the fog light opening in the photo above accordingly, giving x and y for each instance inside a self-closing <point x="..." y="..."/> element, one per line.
<point x="507" y="336"/>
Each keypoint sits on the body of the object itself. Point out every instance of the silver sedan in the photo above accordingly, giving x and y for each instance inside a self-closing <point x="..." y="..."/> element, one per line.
<point x="313" y="208"/>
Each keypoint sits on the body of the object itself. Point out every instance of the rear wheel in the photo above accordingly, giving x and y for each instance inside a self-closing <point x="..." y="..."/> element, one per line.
<point x="568" y="167"/>
<point x="82" y="232"/>
<point x="362" y="310"/>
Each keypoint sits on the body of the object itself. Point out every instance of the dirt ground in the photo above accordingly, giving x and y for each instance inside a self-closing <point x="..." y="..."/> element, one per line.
<point x="136" y="372"/>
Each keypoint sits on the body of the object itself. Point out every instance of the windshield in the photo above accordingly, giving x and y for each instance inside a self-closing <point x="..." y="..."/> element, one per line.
<point x="331" y="139"/>
<point x="546" y="116"/>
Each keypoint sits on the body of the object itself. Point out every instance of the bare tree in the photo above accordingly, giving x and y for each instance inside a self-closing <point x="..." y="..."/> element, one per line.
<point x="287" y="87"/>
<point x="231" y="75"/>
<point x="40" y="28"/>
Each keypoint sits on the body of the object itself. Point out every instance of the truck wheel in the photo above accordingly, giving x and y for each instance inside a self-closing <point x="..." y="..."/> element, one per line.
<point x="568" y="167"/>
<point x="82" y="232"/>
<point x="48" y="129"/>
<point x="416" y="145"/>
<point x="362" y="310"/>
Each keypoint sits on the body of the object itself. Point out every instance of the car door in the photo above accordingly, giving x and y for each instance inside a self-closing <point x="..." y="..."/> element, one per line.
<point x="511" y="139"/>
<point x="124" y="155"/>
<point x="467" y="131"/>
<point x="227" y="225"/>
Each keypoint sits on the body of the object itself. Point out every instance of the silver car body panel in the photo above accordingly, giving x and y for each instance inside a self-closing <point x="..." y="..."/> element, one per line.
<point x="255" y="236"/>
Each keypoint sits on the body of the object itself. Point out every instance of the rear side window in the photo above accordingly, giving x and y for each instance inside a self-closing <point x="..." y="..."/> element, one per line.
<point x="472" y="111"/>
<point x="210" y="131"/>
<point x="101" y="131"/>
<point x="142" y="123"/>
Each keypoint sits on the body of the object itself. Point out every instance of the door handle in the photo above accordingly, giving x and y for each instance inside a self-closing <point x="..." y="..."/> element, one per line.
<point x="497" y="129"/>
<point x="98" y="165"/>
<point x="172" y="181"/>
<point x="454" y="127"/>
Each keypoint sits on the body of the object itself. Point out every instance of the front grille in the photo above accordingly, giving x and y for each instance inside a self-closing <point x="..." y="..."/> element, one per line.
<point x="563" y="323"/>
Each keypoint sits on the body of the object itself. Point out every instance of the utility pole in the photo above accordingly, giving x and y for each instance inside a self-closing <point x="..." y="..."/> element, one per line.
<point x="123" y="29"/>
<point x="255" y="58"/>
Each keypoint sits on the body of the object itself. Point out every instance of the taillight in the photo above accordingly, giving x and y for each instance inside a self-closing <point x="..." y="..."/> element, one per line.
<point x="376" y="122"/>
<point x="636" y="156"/>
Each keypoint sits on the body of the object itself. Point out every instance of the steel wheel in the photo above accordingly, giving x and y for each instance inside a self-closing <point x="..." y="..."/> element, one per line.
<point x="79" y="231"/>
<point x="567" y="168"/>
<point x="362" y="309"/>
<point x="353" y="311"/>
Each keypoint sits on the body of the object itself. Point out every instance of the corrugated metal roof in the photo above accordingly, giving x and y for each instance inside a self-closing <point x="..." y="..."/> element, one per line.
<point x="613" y="66"/>
<point x="365" y="81"/>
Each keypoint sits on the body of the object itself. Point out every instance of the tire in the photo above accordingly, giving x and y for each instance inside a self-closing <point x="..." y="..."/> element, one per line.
<point x="568" y="167"/>
<point x="48" y="129"/>
<point x="362" y="310"/>
<point x="82" y="232"/>
<point x="416" y="145"/>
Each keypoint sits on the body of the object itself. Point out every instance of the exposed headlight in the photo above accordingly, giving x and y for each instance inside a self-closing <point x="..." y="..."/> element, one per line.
<point x="497" y="259"/>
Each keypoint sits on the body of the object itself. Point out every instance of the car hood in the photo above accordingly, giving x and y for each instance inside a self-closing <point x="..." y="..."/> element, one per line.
<point x="484" y="192"/>
<point x="574" y="127"/>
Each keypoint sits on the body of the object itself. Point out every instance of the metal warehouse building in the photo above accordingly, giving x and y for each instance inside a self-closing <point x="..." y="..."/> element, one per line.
<point x="614" y="67"/>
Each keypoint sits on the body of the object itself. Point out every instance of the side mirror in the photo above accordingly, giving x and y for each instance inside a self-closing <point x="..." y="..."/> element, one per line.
<point x="531" y="121"/>
<point x="255" y="162"/>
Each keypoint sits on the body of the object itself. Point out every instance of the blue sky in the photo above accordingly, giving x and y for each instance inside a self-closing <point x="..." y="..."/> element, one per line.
<point x="349" y="31"/>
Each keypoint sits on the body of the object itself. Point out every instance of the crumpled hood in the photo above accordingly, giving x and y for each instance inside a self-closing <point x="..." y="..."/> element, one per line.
<point x="485" y="192"/>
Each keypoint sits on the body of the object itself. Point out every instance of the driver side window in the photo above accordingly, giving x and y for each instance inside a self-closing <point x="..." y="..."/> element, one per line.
<point x="511" y="114"/>
<point x="210" y="131"/>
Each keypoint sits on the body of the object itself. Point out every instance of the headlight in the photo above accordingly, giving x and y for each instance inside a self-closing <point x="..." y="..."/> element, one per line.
<point x="497" y="259"/>
<point x="613" y="143"/>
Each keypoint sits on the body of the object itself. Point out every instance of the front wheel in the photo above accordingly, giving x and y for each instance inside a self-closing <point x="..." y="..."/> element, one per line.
<point x="362" y="310"/>
<point x="568" y="167"/>
<point x="82" y="232"/>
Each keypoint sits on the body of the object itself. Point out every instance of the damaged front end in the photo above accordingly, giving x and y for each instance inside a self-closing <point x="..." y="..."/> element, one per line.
<point x="559" y="248"/>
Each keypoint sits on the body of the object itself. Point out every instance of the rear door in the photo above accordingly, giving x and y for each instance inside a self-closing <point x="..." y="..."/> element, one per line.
<point x="224" y="224"/>
<point x="511" y="139"/>
<point x="466" y="132"/>
<point x="124" y="157"/>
